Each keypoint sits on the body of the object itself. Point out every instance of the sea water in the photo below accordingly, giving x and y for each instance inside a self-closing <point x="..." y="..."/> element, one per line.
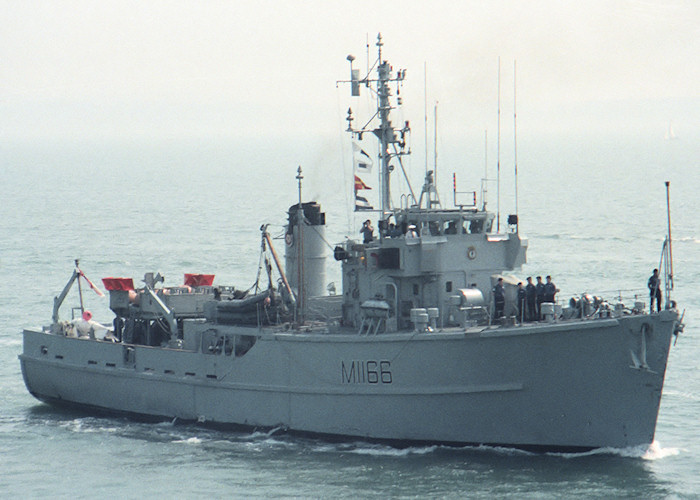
<point x="594" y="210"/>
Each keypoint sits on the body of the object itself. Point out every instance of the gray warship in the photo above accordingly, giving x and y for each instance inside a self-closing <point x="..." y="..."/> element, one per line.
<point x="409" y="351"/>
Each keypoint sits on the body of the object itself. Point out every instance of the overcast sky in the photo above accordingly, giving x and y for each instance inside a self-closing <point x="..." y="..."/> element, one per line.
<point x="223" y="68"/>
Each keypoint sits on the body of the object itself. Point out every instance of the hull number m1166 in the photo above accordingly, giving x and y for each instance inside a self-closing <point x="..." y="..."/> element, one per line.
<point x="366" y="372"/>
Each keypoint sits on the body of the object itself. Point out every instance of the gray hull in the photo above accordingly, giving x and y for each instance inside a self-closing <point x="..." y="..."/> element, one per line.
<point x="566" y="385"/>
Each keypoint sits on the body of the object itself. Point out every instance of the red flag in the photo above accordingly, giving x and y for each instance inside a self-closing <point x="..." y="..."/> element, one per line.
<point x="359" y="184"/>
<point x="199" y="279"/>
<point x="112" y="284"/>
<point x="97" y="290"/>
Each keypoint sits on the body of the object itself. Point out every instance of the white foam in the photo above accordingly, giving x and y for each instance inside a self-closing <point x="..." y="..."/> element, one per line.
<point x="654" y="451"/>
<point x="501" y="450"/>
<point x="191" y="440"/>
<point x="84" y="425"/>
<point x="256" y="435"/>
<point x="388" y="451"/>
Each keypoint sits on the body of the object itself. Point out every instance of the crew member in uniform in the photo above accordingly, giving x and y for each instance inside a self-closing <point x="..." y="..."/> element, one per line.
<point x="550" y="290"/>
<point x="531" y="300"/>
<point x="521" y="302"/>
<point x="654" y="285"/>
<point x="499" y="298"/>
<point x="540" y="297"/>
<point x="367" y="232"/>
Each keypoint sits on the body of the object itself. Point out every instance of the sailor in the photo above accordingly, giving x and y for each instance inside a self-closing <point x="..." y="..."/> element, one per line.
<point x="531" y="300"/>
<point x="540" y="296"/>
<point x="82" y="327"/>
<point x="367" y="231"/>
<point x="499" y="298"/>
<point x="654" y="285"/>
<point x="521" y="302"/>
<point x="550" y="290"/>
<point x="411" y="233"/>
<point x="394" y="231"/>
<point x="85" y="327"/>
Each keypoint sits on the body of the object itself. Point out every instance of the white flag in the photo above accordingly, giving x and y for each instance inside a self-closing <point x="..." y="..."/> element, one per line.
<point x="361" y="160"/>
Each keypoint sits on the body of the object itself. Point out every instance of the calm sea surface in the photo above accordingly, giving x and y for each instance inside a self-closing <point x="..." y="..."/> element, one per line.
<point x="594" y="213"/>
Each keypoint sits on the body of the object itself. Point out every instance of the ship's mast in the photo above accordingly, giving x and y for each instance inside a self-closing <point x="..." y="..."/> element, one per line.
<point x="385" y="132"/>
<point x="392" y="142"/>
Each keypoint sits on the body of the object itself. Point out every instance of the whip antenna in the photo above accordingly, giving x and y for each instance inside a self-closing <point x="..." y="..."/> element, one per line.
<point x="486" y="170"/>
<point x="435" y="148"/>
<point x="515" y="140"/>
<point x="425" y="111"/>
<point x="669" y="279"/>
<point x="498" y="154"/>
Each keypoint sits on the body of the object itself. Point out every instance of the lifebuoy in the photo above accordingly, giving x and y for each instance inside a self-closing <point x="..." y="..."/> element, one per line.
<point x="289" y="239"/>
<point x="471" y="253"/>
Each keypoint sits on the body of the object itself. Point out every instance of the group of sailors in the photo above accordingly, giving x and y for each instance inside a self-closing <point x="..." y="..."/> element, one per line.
<point x="410" y="230"/>
<point x="392" y="231"/>
<point x="529" y="298"/>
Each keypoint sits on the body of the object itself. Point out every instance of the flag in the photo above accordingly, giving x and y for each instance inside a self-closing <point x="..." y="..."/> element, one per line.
<point x="361" y="203"/>
<point x="360" y="184"/>
<point x="112" y="284"/>
<point x="361" y="160"/>
<point x="97" y="290"/>
<point x="199" y="279"/>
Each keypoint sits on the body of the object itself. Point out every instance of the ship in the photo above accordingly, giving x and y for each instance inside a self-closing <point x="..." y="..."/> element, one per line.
<point x="413" y="349"/>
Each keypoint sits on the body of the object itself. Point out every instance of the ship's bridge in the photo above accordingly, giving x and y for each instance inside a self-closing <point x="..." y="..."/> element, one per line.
<point x="423" y="258"/>
<point x="438" y="222"/>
